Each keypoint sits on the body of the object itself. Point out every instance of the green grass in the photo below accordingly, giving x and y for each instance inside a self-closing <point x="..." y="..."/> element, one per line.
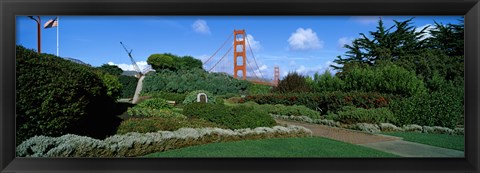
<point x="287" y="147"/>
<point x="456" y="142"/>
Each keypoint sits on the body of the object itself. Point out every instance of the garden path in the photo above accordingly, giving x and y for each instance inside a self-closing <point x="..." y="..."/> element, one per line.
<point x="340" y="134"/>
<point x="380" y="142"/>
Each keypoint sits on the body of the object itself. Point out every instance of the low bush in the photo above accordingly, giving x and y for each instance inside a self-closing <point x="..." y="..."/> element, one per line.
<point x="138" y="144"/>
<point x="351" y="115"/>
<point x="440" y="108"/>
<point x="232" y="117"/>
<point x="177" y="97"/>
<point x="295" y="110"/>
<point x="148" y="112"/>
<point x="366" y="127"/>
<point x="154" y="103"/>
<point x="129" y="85"/>
<point x="326" y="102"/>
<point x="309" y="120"/>
<point x="145" y="125"/>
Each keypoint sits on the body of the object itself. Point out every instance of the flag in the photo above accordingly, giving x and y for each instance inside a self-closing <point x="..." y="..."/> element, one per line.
<point x="51" y="23"/>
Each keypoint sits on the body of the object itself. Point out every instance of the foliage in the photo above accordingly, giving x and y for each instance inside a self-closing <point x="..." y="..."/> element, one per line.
<point x="259" y="89"/>
<point x="183" y="81"/>
<point x="192" y="97"/>
<point x="155" y="124"/>
<point x="294" y="110"/>
<point x="114" y="87"/>
<point x="173" y="62"/>
<point x="111" y="69"/>
<point x="351" y="115"/>
<point x="129" y="85"/>
<point x="386" y="78"/>
<point x="148" y="112"/>
<point x="56" y="96"/>
<point x="231" y="117"/>
<point x="154" y="103"/>
<point x="327" y="101"/>
<point x="327" y="82"/>
<point x="178" y="98"/>
<point x="292" y="83"/>
<point x="440" y="108"/>
<point x="138" y="144"/>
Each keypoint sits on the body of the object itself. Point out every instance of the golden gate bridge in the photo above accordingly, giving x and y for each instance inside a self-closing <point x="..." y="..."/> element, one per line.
<point x="240" y="61"/>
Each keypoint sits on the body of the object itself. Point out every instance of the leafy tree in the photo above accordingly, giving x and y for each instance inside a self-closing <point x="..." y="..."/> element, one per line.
<point x="294" y="83"/>
<point x="162" y="61"/>
<point x="327" y="82"/>
<point x="188" y="62"/>
<point x="448" y="38"/>
<point x="111" y="69"/>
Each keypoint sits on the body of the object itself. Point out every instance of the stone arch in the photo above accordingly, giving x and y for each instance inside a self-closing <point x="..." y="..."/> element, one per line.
<point x="202" y="97"/>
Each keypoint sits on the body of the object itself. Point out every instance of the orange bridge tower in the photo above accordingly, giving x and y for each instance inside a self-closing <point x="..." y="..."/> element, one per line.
<point x="239" y="52"/>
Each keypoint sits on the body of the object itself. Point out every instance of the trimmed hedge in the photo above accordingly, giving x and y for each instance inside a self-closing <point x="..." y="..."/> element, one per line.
<point x="177" y="97"/>
<point x="154" y="103"/>
<point x="55" y="96"/>
<point x="327" y="101"/>
<point x="129" y="84"/>
<point x="148" y="112"/>
<point x="137" y="144"/>
<point x="145" y="125"/>
<point x="236" y="117"/>
<point x="350" y="115"/>
<point x="295" y="110"/>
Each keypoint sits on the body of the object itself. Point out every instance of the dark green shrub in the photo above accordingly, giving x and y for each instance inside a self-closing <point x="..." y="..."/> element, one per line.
<point x="148" y="112"/>
<point x="114" y="87"/>
<point x="178" y="98"/>
<point x="258" y="89"/>
<point x="388" y="78"/>
<point x="295" y="110"/>
<point x="236" y="117"/>
<point x="184" y="81"/>
<point x="327" y="82"/>
<point x="145" y="125"/>
<point x="352" y="115"/>
<point x="439" y="108"/>
<point x="129" y="84"/>
<point x="325" y="102"/>
<point x="55" y="96"/>
<point x="155" y="103"/>
<point x="111" y="69"/>
<point x="292" y="83"/>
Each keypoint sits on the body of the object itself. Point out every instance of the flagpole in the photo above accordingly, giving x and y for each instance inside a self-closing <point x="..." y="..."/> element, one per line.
<point x="58" y="28"/>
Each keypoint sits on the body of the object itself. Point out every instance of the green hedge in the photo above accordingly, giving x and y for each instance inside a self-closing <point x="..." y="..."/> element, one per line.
<point x="192" y="97"/>
<point x="147" y="112"/>
<point x="155" y="103"/>
<point x="352" y="115"/>
<point x="295" y="110"/>
<point x="145" y="125"/>
<point x="236" y="117"/>
<point x="184" y="81"/>
<point x="129" y="84"/>
<point x="55" y="96"/>
<point x="327" y="101"/>
<point x="178" y="98"/>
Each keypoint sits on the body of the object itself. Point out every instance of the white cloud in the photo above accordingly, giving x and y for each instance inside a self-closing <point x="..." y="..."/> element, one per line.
<point x="143" y="65"/>
<point x="427" y="31"/>
<point x="304" y="39"/>
<point x="254" y="44"/>
<point x="344" y="41"/>
<point x="200" y="26"/>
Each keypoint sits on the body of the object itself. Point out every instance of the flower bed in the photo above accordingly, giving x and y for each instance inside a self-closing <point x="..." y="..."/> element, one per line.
<point x="137" y="144"/>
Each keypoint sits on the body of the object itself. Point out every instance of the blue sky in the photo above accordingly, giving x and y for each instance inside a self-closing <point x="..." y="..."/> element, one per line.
<point x="305" y="44"/>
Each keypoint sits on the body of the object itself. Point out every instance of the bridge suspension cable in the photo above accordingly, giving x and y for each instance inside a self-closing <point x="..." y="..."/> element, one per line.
<point x="218" y="49"/>
<point x="253" y="56"/>
<point x="221" y="58"/>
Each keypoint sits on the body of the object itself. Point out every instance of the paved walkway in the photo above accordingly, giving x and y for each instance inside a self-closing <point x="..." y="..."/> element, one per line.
<point x="390" y="144"/>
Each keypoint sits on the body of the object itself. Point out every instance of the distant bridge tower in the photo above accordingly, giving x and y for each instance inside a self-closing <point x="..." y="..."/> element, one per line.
<point x="239" y="40"/>
<point x="276" y="76"/>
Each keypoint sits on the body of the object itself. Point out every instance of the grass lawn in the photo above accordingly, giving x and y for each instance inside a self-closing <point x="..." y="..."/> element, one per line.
<point x="456" y="142"/>
<point x="287" y="147"/>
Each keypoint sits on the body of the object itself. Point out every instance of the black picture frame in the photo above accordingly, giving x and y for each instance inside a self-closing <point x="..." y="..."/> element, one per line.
<point x="9" y="9"/>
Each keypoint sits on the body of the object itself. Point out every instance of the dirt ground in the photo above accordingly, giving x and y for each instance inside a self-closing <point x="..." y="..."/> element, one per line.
<point x="340" y="134"/>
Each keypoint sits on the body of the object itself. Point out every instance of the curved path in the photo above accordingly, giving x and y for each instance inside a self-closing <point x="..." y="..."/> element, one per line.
<point x="390" y="144"/>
